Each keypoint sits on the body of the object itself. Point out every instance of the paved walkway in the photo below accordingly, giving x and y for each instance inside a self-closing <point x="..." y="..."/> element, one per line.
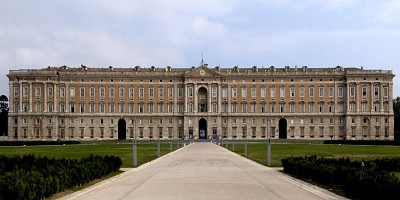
<point x="202" y="170"/>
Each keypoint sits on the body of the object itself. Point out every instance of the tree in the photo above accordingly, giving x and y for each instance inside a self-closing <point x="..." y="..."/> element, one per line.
<point x="3" y="115"/>
<point x="396" y="110"/>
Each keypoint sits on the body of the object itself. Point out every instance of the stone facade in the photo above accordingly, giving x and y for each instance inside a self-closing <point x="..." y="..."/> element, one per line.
<point x="200" y="102"/>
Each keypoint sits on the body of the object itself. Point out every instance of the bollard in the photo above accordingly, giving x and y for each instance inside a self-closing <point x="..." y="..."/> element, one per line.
<point x="269" y="153"/>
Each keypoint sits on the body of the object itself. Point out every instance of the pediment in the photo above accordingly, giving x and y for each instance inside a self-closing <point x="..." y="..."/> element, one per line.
<point x="202" y="71"/>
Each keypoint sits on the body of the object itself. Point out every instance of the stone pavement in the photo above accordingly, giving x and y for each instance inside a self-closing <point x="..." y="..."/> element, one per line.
<point x="202" y="170"/>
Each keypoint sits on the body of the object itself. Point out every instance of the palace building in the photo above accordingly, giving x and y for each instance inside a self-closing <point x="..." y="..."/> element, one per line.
<point x="85" y="103"/>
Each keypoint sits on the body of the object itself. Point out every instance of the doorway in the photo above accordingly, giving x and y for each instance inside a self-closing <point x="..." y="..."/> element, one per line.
<point x="282" y="128"/>
<point x="202" y="128"/>
<point x="121" y="129"/>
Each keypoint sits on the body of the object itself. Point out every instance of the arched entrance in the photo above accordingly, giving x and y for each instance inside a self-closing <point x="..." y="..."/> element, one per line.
<point x="282" y="128"/>
<point x="202" y="128"/>
<point x="121" y="129"/>
<point x="202" y="100"/>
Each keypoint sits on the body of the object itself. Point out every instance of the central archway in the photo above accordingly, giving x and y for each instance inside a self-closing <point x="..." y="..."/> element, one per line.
<point x="202" y="128"/>
<point x="121" y="129"/>
<point x="282" y="128"/>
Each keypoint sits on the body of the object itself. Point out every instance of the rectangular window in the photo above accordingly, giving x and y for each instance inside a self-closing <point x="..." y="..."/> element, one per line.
<point x="214" y="91"/>
<point x="272" y="92"/>
<point x="160" y="108"/>
<point x="340" y="91"/>
<point x="151" y="92"/>
<point x="50" y="91"/>
<point x="321" y="107"/>
<point x="170" y="108"/>
<point x="253" y="92"/>
<point x="170" y="93"/>
<point x="311" y="107"/>
<point x="263" y="93"/>
<point x="82" y="107"/>
<point x="16" y="91"/>
<point x="292" y="93"/>
<point x="141" y="108"/>
<point x="101" y="107"/>
<point x="311" y="91"/>
<point x="190" y="92"/>
<point x="364" y="91"/>
<point x="234" y="92"/>
<point x="131" y="108"/>
<point x="160" y="92"/>
<point x="131" y="92"/>
<point x="376" y="91"/>
<point x="282" y="92"/>
<point x="301" y="91"/>
<point x="190" y="107"/>
<point x="224" y="107"/>
<point x="321" y="92"/>
<point x="92" y="92"/>
<point x="244" y="92"/>
<point x="141" y="92"/>
<point x="385" y="91"/>
<point x="301" y="108"/>
<point x="214" y="108"/>
<point x="331" y="91"/>
<point x="82" y="92"/>
<point x="352" y="91"/>
<point x="244" y="108"/>
<point x="234" y="108"/>
<point x="102" y="92"/>
<point x="62" y="92"/>
<point x="151" y="108"/>
<point x="121" y="108"/>
<point x="253" y="108"/>
<point x="224" y="92"/>
<point x="112" y="110"/>
<point x="292" y="107"/>
<point x="92" y="107"/>
<point x="180" y="92"/>
<point x="121" y="92"/>
<point x="37" y="91"/>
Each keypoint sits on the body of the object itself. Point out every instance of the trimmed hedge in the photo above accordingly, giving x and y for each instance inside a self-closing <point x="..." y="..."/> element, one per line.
<point x="359" y="179"/>
<point x="31" y="177"/>
<point x="33" y="143"/>
<point x="364" y="142"/>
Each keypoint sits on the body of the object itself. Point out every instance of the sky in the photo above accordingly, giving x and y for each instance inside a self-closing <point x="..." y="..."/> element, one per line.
<point x="35" y="34"/>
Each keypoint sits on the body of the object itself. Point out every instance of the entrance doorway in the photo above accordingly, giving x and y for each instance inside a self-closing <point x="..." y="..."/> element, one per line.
<point x="121" y="129"/>
<point x="202" y="128"/>
<point x="282" y="128"/>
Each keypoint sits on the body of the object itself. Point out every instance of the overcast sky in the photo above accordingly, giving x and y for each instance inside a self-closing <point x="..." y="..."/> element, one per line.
<point x="100" y="33"/>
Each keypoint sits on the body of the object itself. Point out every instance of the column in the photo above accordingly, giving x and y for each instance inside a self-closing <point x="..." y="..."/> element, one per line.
<point x="209" y="97"/>
<point x="67" y="98"/>
<point x="219" y="94"/>
<point x="11" y="98"/>
<point x="357" y="97"/>
<point x="175" y="98"/>
<point x="195" y="96"/>
<point x="20" y="95"/>
<point x="55" y="97"/>
<point x="30" y="97"/>
<point x="229" y="98"/>
<point x="381" y="98"/>
<point x="186" y="98"/>
<point x="45" y="97"/>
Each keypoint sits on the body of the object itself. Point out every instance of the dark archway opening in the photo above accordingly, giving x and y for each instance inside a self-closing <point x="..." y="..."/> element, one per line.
<point x="121" y="129"/>
<point x="202" y="128"/>
<point x="282" y="128"/>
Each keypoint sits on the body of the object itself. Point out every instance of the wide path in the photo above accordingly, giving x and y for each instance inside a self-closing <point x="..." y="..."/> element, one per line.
<point x="202" y="170"/>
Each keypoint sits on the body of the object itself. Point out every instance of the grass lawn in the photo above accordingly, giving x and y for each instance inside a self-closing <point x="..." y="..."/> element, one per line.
<point x="146" y="151"/>
<point x="257" y="151"/>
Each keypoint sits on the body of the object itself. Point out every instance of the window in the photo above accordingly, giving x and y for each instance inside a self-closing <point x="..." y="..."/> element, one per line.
<point x="282" y="108"/>
<point x="376" y="91"/>
<point x="62" y="107"/>
<point x="170" y="93"/>
<point x="170" y="108"/>
<point x="92" y="92"/>
<point x="141" y="92"/>
<point x="121" y="92"/>
<point x="131" y="108"/>
<point x="352" y="91"/>
<point x="151" y="108"/>
<point x="253" y="108"/>
<point x="292" y="93"/>
<point x="16" y="91"/>
<point x="112" y="92"/>
<point x="253" y="92"/>
<point x="62" y="92"/>
<point x="321" y="107"/>
<point x="364" y="107"/>
<point x="262" y="93"/>
<point x="131" y="92"/>
<point x="353" y="107"/>
<point x="121" y="108"/>
<point x="82" y="92"/>
<point x="321" y="92"/>
<point x="272" y="91"/>
<point x="244" y="108"/>
<point x="331" y="91"/>
<point x="234" y="108"/>
<point x="224" y="107"/>
<point x="301" y="91"/>
<point x="214" y="91"/>
<point x="38" y="107"/>
<point x="160" y="92"/>
<point x="311" y="107"/>
<point x="385" y="91"/>
<point x="282" y="92"/>
<point x="224" y="92"/>
<point x="111" y="108"/>
<point x="50" y="107"/>
<point x="340" y="91"/>
<point x="364" y="91"/>
<point x="180" y="108"/>
<point x="311" y="91"/>
<point x="151" y="92"/>
<point x="331" y="107"/>
<point x="101" y="107"/>
<point x="341" y="107"/>
<point x="244" y="92"/>
<point x="301" y="107"/>
<point x="292" y="107"/>
<point x="272" y="107"/>
<point x="141" y="108"/>
<point x="190" y="92"/>
<point x="234" y="92"/>
<point x="214" y="108"/>
<point x="263" y="108"/>
<point x="190" y="107"/>
<point x="37" y="91"/>
<point x="180" y="92"/>
<point x="82" y="107"/>
<point x="160" y="108"/>
<point x="102" y="92"/>
<point x="50" y="91"/>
